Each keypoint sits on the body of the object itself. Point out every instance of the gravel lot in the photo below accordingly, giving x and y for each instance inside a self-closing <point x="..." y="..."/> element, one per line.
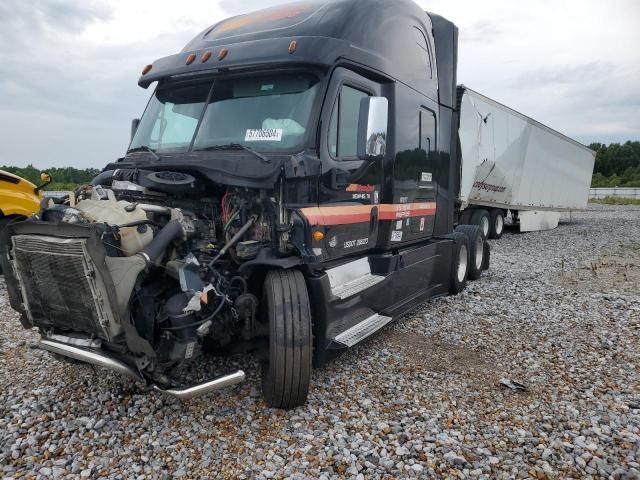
<point x="559" y="312"/>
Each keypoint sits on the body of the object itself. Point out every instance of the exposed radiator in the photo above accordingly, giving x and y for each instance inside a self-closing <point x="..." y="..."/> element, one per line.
<point x="61" y="286"/>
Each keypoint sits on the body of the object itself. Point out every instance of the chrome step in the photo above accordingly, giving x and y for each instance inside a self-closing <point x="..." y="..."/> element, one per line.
<point x="356" y="286"/>
<point x="352" y="278"/>
<point x="362" y="330"/>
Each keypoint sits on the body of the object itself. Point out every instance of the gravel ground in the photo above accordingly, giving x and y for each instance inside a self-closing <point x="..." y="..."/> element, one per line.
<point x="559" y="312"/>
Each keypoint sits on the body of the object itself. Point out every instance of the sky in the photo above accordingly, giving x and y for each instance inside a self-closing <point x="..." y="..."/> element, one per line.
<point x="69" y="68"/>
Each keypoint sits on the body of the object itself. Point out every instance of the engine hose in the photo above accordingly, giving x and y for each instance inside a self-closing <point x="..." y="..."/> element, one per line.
<point x="241" y="280"/>
<point x="200" y="322"/>
<point x="105" y="178"/>
<point x="159" y="244"/>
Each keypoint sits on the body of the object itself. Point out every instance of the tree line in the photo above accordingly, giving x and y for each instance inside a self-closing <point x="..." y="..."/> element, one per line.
<point x="617" y="165"/>
<point x="65" y="178"/>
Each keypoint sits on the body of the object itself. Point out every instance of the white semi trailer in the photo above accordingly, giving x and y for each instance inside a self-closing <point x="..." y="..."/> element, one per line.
<point x="513" y="164"/>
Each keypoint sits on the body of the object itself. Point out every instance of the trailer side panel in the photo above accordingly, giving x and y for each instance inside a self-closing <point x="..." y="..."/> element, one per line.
<point x="511" y="161"/>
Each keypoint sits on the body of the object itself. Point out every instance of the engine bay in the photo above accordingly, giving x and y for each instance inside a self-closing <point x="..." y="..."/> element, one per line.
<point x="173" y="246"/>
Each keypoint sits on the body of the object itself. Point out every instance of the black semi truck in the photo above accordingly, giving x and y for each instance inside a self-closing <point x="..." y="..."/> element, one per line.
<point x="289" y="190"/>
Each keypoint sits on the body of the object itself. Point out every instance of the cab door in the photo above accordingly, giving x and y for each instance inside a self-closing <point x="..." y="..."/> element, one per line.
<point x="411" y="216"/>
<point x="349" y="187"/>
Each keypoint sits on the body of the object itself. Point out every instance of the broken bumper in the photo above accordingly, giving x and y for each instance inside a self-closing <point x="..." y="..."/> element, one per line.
<point x="98" y="358"/>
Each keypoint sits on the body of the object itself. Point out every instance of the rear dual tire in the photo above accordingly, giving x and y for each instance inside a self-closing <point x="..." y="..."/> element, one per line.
<point x="286" y="373"/>
<point x="478" y="250"/>
<point x="482" y="219"/>
<point x="459" y="263"/>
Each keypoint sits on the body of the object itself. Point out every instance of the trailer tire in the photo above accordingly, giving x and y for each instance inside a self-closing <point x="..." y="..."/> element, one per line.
<point x="459" y="263"/>
<point x="287" y="372"/>
<point x="477" y="249"/>
<point x="481" y="218"/>
<point x="496" y="218"/>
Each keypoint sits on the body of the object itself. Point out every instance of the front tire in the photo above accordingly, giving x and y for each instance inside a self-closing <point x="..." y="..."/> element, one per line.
<point x="287" y="372"/>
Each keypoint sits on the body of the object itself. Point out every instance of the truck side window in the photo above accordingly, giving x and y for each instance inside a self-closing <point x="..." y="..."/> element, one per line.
<point x="424" y="54"/>
<point x="343" y="130"/>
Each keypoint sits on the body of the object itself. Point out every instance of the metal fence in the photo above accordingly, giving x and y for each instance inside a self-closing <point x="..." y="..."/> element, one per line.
<point x="624" y="192"/>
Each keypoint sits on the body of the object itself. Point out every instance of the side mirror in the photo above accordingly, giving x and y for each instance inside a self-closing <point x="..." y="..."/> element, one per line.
<point x="372" y="127"/>
<point x="46" y="179"/>
<point x="134" y="127"/>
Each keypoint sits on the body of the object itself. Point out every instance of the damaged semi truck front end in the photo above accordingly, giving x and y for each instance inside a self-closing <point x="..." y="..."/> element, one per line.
<point x="288" y="191"/>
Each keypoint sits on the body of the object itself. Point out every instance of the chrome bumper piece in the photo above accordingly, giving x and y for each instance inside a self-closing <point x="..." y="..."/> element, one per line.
<point x="101" y="360"/>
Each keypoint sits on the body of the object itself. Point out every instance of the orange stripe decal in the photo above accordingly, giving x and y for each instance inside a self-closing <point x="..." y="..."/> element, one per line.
<point x="337" y="215"/>
<point x="349" y="214"/>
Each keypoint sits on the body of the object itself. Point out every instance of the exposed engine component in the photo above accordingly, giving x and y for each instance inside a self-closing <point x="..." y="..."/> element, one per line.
<point x="175" y="183"/>
<point x="152" y="256"/>
<point x="132" y="226"/>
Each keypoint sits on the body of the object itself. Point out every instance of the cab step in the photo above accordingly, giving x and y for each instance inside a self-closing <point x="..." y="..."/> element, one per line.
<point x="352" y="278"/>
<point x="362" y="330"/>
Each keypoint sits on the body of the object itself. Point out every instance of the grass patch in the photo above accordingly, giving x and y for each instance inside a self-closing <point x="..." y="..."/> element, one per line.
<point x="615" y="201"/>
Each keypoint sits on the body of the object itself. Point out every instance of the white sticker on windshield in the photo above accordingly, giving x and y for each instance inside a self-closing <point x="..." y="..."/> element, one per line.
<point x="264" y="135"/>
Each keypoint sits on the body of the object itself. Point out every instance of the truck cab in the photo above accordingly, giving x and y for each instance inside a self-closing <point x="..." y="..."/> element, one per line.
<point x="289" y="190"/>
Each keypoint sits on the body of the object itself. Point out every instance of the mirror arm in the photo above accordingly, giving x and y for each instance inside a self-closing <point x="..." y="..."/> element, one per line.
<point x="39" y="188"/>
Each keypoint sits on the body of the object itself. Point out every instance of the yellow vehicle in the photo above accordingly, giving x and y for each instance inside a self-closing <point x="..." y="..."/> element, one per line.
<point x="19" y="198"/>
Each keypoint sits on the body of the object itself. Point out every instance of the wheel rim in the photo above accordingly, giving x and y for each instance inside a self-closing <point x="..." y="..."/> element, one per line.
<point x="462" y="263"/>
<point x="485" y="226"/>
<point x="499" y="224"/>
<point x="479" y="252"/>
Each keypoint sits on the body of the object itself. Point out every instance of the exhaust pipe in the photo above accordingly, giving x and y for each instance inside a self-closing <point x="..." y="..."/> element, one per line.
<point x="122" y="368"/>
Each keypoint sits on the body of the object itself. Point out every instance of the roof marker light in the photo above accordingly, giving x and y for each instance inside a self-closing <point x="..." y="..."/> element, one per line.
<point x="146" y="69"/>
<point x="223" y="53"/>
<point x="191" y="58"/>
<point x="206" y="56"/>
<point x="292" y="46"/>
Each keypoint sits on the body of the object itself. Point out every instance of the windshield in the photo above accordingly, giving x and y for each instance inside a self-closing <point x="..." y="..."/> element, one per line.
<point x="267" y="112"/>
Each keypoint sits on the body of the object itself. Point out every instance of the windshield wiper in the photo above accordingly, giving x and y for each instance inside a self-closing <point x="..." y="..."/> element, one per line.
<point x="144" y="148"/>
<point x="234" y="146"/>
